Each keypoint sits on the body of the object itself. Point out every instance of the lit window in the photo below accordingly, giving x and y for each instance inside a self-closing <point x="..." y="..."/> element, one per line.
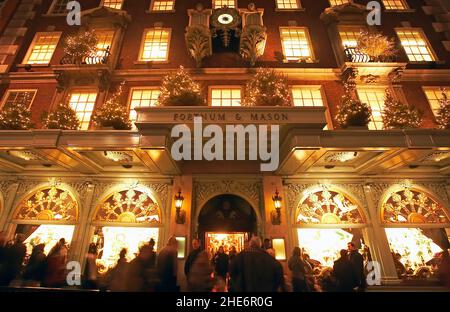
<point x="338" y="2"/>
<point x="83" y="103"/>
<point x="349" y="39"/>
<point x="307" y="96"/>
<point x="105" y="40"/>
<point x="113" y="4"/>
<point x="374" y="97"/>
<point x="15" y="97"/>
<point x="295" y="41"/>
<point x="287" y="4"/>
<point x="217" y="4"/>
<point x="59" y="7"/>
<point x="163" y="5"/>
<point x="226" y="96"/>
<point x="434" y="94"/>
<point x="415" y="45"/>
<point x="42" y="48"/>
<point x="142" y="98"/>
<point x="394" y="5"/>
<point x="156" y="45"/>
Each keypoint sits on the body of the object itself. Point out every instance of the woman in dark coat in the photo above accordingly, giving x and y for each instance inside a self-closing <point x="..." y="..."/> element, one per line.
<point x="221" y="263"/>
<point x="343" y="273"/>
<point x="297" y="267"/>
<point x="35" y="270"/>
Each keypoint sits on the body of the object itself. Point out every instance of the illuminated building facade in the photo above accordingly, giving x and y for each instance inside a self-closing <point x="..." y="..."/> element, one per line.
<point x="385" y="190"/>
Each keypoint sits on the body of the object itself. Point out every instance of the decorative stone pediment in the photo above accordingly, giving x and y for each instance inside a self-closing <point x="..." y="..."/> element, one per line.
<point x="106" y="18"/>
<point x="349" y="13"/>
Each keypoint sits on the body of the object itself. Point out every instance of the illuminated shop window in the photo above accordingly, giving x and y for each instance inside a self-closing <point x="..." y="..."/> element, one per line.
<point x="58" y="7"/>
<point x="162" y="5"/>
<point x="307" y="96"/>
<point x="217" y="4"/>
<point x="142" y="97"/>
<point x="338" y="2"/>
<point x="349" y="38"/>
<point x="415" y="45"/>
<point x="395" y="5"/>
<point x="287" y="4"/>
<point x="225" y="96"/>
<point x="375" y="98"/>
<point x="434" y="94"/>
<point x="155" y="45"/>
<point x="113" y="4"/>
<point x="83" y="103"/>
<point x="16" y="97"/>
<point x="42" y="48"/>
<point x="296" y="43"/>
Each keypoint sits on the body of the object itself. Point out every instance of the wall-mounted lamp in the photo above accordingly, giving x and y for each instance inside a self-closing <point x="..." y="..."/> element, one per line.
<point x="276" y="214"/>
<point x="180" y="214"/>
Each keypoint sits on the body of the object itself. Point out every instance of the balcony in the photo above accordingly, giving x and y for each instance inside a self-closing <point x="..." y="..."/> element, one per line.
<point x="100" y="58"/>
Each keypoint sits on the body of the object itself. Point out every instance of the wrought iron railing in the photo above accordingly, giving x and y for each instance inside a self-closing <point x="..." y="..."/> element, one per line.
<point x="355" y="56"/>
<point x="99" y="58"/>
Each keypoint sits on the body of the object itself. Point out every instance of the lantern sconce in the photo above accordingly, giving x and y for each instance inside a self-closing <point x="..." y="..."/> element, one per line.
<point x="276" y="214"/>
<point x="180" y="216"/>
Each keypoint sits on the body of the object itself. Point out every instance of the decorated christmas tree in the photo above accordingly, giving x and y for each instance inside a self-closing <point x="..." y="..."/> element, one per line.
<point x="377" y="46"/>
<point x="398" y="115"/>
<point x="63" y="117"/>
<point x="16" y="116"/>
<point x="443" y="117"/>
<point x="81" y="45"/>
<point x="113" y="113"/>
<point x="267" y="88"/>
<point x="179" y="89"/>
<point x="351" y="111"/>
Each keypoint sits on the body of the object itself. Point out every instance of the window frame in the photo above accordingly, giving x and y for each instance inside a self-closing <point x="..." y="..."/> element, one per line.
<point x="130" y="97"/>
<point x="310" y="45"/>
<point x="213" y="2"/>
<point x="424" y="38"/>
<point x="141" y="49"/>
<point x="211" y="87"/>
<point x="83" y="90"/>
<point x="299" y="7"/>
<point x="52" y="7"/>
<point x="321" y="88"/>
<point x="26" y="59"/>
<point x="347" y="2"/>
<point x="376" y="87"/>
<point x="407" y="8"/>
<point x="433" y="87"/>
<point x="8" y="91"/>
<point x="152" y="6"/>
<point x="102" y="4"/>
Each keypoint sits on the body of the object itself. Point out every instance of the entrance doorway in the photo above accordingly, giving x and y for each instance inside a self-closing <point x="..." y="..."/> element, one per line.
<point x="228" y="221"/>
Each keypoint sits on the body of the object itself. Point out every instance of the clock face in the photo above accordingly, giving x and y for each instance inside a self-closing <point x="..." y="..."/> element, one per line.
<point x="225" y="19"/>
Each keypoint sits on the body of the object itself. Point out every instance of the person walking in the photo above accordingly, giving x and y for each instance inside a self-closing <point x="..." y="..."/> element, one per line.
<point x="357" y="261"/>
<point x="118" y="274"/>
<point x="343" y="273"/>
<point x="167" y="267"/>
<point x="136" y="273"/>
<point x="254" y="270"/>
<point x="298" y="270"/>
<point x="199" y="274"/>
<point x="196" y="250"/>
<point x="13" y="260"/>
<point x="56" y="265"/>
<point x="90" y="269"/>
<point x="220" y="261"/>
<point x="35" y="270"/>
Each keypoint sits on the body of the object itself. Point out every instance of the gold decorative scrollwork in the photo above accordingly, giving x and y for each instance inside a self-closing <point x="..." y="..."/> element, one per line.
<point x="328" y="207"/>
<point x="412" y="206"/>
<point x="50" y="204"/>
<point x="129" y="206"/>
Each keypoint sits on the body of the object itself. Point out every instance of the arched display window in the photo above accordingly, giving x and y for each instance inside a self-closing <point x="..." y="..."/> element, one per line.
<point x="126" y="218"/>
<point x="417" y="227"/>
<point x="327" y="219"/>
<point x="45" y="216"/>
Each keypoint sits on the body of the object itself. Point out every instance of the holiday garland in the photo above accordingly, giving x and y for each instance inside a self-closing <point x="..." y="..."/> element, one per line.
<point x="16" y="116"/>
<point x="351" y="111"/>
<point x="397" y="115"/>
<point x="63" y="117"/>
<point x="443" y="116"/>
<point x="81" y="45"/>
<point x="267" y="88"/>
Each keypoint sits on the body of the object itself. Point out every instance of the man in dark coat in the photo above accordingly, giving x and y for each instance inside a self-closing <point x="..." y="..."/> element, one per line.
<point x="196" y="244"/>
<point x="13" y="261"/>
<point x="166" y="267"/>
<point x="221" y="263"/>
<point x="343" y="273"/>
<point x="254" y="270"/>
<point x="357" y="262"/>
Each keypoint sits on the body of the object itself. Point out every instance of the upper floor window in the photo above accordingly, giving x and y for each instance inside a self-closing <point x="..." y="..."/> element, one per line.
<point x="296" y="44"/>
<point x="83" y="102"/>
<point x="349" y="38"/>
<point x="338" y="2"/>
<point x="142" y="97"/>
<point x="42" y="48"/>
<point x="225" y="96"/>
<point x="162" y="5"/>
<point x="105" y="40"/>
<point x="434" y="95"/>
<point x="58" y="7"/>
<point x="395" y="5"/>
<point x="415" y="44"/>
<point x="217" y="4"/>
<point x="155" y="45"/>
<point x="307" y="96"/>
<point x="375" y="98"/>
<point x="288" y="4"/>
<point x="15" y="97"/>
<point x="113" y="4"/>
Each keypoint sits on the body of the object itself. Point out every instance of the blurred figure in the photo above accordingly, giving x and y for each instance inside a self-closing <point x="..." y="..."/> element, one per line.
<point x="166" y="267"/>
<point x="118" y="274"/>
<point x="444" y="269"/>
<point x="2" y="256"/>
<point x="297" y="267"/>
<point x="35" y="270"/>
<point x="196" y="250"/>
<point x="357" y="262"/>
<point x="220" y="261"/>
<point x="56" y="265"/>
<point x="13" y="260"/>
<point x="282" y="286"/>
<point x="344" y="273"/>
<point x="254" y="270"/>
<point x="199" y="274"/>
<point x="153" y="256"/>
<point x="90" y="269"/>
<point x="401" y="270"/>
<point x="232" y="253"/>
<point x="268" y="246"/>
<point x="136" y="273"/>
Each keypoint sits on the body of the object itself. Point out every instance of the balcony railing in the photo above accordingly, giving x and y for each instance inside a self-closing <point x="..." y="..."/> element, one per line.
<point x="99" y="58"/>
<point x="355" y="56"/>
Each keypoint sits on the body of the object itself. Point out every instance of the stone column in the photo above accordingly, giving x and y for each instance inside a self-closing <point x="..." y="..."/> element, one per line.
<point x="7" y="209"/>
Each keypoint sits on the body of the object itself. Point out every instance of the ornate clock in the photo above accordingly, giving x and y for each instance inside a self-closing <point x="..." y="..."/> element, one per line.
<point x="224" y="21"/>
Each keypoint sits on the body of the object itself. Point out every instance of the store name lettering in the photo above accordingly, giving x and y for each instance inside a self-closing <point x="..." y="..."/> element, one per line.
<point x="252" y="117"/>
